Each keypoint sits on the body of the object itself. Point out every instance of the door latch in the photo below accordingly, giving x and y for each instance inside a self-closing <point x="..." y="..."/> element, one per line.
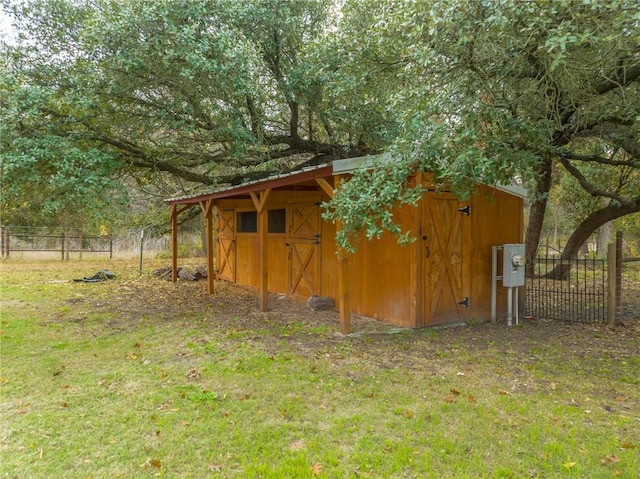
<point x="464" y="302"/>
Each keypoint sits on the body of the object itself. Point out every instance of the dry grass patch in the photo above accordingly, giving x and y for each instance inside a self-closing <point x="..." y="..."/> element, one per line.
<point x="139" y="377"/>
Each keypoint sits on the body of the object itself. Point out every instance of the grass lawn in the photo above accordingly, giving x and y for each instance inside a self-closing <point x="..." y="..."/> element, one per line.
<point x="138" y="377"/>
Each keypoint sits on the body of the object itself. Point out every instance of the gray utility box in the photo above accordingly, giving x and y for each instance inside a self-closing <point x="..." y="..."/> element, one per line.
<point x="513" y="265"/>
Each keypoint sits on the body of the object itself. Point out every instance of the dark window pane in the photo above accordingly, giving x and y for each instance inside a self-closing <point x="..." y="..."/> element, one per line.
<point x="277" y="221"/>
<point x="248" y="222"/>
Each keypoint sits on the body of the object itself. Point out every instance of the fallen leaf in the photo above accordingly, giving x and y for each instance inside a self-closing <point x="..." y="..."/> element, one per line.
<point x="627" y="445"/>
<point x="552" y="386"/>
<point x="568" y="465"/>
<point x="155" y="463"/>
<point x="450" y="399"/>
<point x="470" y="398"/>
<point x="617" y="473"/>
<point x="455" y="392"/>
<point x="316" y="469"/>
<point x="504" y="393"/>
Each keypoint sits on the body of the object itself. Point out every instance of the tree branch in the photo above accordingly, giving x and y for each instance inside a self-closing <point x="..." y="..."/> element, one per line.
<point x="589" y="188"/>
<point x="598" y="159"/>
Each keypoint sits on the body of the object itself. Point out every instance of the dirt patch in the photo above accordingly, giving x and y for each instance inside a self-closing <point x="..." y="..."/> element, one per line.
<point x="234" y="311"/>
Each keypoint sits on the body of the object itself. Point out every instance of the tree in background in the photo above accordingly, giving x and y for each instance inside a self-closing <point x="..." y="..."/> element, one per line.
<point x="213" y="92"/>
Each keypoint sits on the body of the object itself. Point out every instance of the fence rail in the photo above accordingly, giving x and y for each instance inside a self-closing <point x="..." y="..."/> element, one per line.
<point x="22" y="242"/>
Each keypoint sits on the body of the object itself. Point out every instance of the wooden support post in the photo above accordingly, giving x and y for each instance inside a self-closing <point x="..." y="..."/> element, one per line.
<point x="415" y="267"/>
<point x="344" y="295"/>
<point x="263" y="229"/>
<point x="207" y="209"/>
<point x="264" y="264"/>
<point x="174" y="243"/>
<point x="611" y="284"/>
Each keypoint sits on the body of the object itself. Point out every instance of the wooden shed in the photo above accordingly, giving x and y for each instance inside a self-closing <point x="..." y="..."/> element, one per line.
<point x="270" y="235"/>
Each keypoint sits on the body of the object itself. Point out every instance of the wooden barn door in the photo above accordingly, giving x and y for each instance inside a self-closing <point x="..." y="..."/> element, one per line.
<point x="303" y="256"/>
<point x="226" y="245"/>
<point x="445" y="229"/>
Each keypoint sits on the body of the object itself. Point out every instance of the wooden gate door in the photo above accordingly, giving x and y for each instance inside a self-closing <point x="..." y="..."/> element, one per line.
<point x="226" y="245"/>
<point x="445" y="240"/>
<point x="303" y="256"/>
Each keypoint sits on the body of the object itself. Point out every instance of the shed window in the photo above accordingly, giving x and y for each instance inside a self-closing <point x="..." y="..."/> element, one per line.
<point x="247" y="222"/>
<point x="277" y="220"/>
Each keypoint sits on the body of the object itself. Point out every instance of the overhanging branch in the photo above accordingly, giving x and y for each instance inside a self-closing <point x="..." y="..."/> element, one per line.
<point x="589" y="188"/>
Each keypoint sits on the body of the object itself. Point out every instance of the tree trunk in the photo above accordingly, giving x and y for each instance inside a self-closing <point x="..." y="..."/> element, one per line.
<point x="585" y="229"/>
<point x="536" y="215"/>
<point x="604" y="236"/>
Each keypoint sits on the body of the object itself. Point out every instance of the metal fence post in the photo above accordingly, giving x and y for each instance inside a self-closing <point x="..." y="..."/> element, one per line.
<point x="611" y="283"/>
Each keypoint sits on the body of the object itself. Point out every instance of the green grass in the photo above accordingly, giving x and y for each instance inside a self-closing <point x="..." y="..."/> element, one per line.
<point x="142" y="378"/>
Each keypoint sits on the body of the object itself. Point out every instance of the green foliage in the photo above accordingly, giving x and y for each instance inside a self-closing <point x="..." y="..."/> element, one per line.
<point x="213" y="91"/>
<point x="484" y="91"/>
<point x="363" y="205"/>
<point x="47" y="175"/>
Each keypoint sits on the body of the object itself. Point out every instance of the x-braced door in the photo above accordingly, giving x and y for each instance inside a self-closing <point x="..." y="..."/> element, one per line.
<point x="445" y="240"/>
<point x="226" y="245"/>
<point x="303" y="242"/>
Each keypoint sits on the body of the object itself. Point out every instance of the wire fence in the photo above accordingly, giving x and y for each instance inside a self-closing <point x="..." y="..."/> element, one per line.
<point x="45" y="243"/>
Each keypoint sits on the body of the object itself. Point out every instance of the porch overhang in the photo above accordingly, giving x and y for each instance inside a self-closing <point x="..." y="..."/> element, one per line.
<point x="283" y="181"/>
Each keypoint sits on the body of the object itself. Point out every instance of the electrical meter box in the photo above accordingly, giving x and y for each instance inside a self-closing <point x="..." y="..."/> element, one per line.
<point x="513" y="265"/>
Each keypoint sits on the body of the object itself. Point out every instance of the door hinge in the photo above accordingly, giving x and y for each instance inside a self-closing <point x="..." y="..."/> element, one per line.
<point x="466" y="210"/>
<point x="464" y="302"/>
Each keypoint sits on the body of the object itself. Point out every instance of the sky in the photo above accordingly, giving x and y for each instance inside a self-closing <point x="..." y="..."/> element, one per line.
<point x="6" y="30"/>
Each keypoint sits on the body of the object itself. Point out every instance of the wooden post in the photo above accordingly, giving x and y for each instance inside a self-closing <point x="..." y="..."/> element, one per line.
<point x="174" y="243"/>
<point x="343" y="293"/>
<point x="110" y="246"/>
<point x="263" y="229"/>
<point x="62" y="239"/>
<point x="415" y="267"/>
<point x="343" y="281"/>
<point x="611" y="284"/>
<point x="207" y="209"/>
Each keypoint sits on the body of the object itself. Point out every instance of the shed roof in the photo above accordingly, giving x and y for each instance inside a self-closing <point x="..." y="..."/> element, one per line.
<point x="309" y="174"/>
<point x="273" y="182"/>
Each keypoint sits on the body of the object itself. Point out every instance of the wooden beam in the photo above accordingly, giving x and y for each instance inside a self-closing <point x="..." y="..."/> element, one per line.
<point x="260" y="202"/>
<point x="174" y="243"/>
<point x="324" y="184"/>
<point x="344" y="296"/>
<point x="208" y="210"/>
<point x="415" y="267"/>
<point x="263" y="229"/>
